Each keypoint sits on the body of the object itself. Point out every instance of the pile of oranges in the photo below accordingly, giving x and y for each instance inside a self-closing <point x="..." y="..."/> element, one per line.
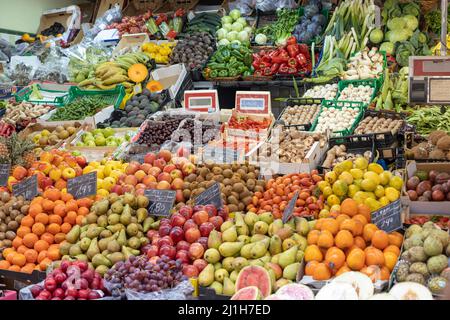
<point x="350" y="242"/>
<point x="50" y="217"/>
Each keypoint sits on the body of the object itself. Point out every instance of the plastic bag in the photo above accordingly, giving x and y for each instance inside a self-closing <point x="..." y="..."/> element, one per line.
<point x="270" y="5"/>
<point x="182" y="291"/>
<point x="21" y="74"/>
<point x="244" y="6"/>
<point x="54" y="68"/>
<point x="112" y="15"/>
<point x="6" y="50"/>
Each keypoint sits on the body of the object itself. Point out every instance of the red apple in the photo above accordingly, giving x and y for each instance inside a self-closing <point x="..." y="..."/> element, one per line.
<point x="192" y="235"/>
<point x="155" y="240"/>
<point x="199" y="208"/>
<point x="179" y="197"/>
<point x="145" y="167"/>
<point x="128" y="188"/>
<point x="140" y="175"/>
<point x="152" y="251"/>
<point x="164" y="176"/>
<point x="154" y="171"/>
<point x="163" y="185"/>
<point x="176" y="174"/>
<point x="211" y="209"/>
<point x="189" y="224"/>
<point x="206" y="228"/>
<point x="165" y="241"/>
<point x="183" y="245"/>
<point x="149" y="158"/>
<point x="81" y="161"/>
<point x="177" y="183"/>
<point x="177" y="220"/>
<point x="169" y="168"/>
<point x="44" y="295"/>
<point x="165" y="154"/>
<point x="200" y="217"/>
<point x="164" y="230"/>
<point x="132" y="168"/>
<point x="176" y="234"/>
<point x="223" y="212"/>
<point x="200" y="264"/>
<point x="139" y="192"/>
<point x="50" y="284"/>
<point x="186" y="211"/>
<point x="117" y="189"/>
<point x="164" y="221"/>
<point x="204" y="242"/>
<point x="190" y="271"/>
<point x="196" y="251"/>
<point x="152" y="185"/>
<point x="141" y="186"/>
<point x="216" y="221"/>
<point x="183" y="255"/>
<point x="169" y="251"/>
<point x="131" y="180"/>
<point x="160" y="163"/>
<point x="188" y="168"/>
<point x="147" y="179"/>
<point x="36" y="289"/>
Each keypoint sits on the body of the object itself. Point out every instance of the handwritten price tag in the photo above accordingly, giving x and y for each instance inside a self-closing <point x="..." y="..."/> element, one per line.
<point x="161" y="201"/>
<point x="4" y="173"/>
<point x="27" y="188"/>
<point x="83" y="186"/>
<point x="388" y="218"/>
<point x="212" y="195"/>
<point x="290" y="208"/>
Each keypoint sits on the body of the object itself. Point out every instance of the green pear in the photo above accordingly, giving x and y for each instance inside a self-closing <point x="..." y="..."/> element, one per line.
<point x="266" y="217"/>
<point x="125" y="217"/>
<point x="206" y="276"/>
<point x="260" y="227"/>
<point x="300" y="241"/>
<point x="226" y="225"/>
<point x="243" y="238"/>
<point x="288" y="257"/>
<point x="275" y="245"/>
<point x="147" y="223"/>
<point x="275" y="226"/>
<point x="217" y="265"/>
<point x="299" y="256"/>
<point x="220" y="274"/>
<point x="246" y="250"/>
<point x="227" y="264"/>
<point x="242" y="230"/>
<point x="239" y="263"/>
<point x="212" y="255"/>
<point x="93" y="231"/>
<point x="228" y="287"/>
<point x="230" y="235"/>
<point x="84" y="244"/>
<point x="256" y="262"/>
<point x="229" y="249"/>
<point x="217" y="286"/>
<point x="288" y="243"/>
<point x="122" y="237"/>
<point x="82" y="257"/>
<point x="275" y="258"/>
<point x="239" y="219"/>
<point x="101" y="260"/>
<point x="93" y="249"/>
<point x="301" y="226"/>
<point x="258" y="237"/>
<point x="290" y="271"/>
<point x="73" y="234"/>
<point x="141" y="214"/>
<point x="233" y="275"/>
<point x="214" y="239"/>
<point x="251" y="218"/>
<point x="260" y="249"/>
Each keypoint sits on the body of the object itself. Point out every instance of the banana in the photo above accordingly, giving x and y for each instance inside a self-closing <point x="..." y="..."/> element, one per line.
<point x="124" y="65"/>
<point x="105" y="87"/>
<point x="116" y="79"/>
<point x="112" y="73"/>
<point x="86" y="82"/>
<point x="131" y="60"/>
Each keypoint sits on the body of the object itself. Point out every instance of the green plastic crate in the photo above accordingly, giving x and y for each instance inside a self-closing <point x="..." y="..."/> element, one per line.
<point x="51" y="97"/>
<point x="380" y="78"/>
<point x="373" y="83"/>
<point x="111" y="97"/>
<point x="340" y="105"/>
<point x="317" y="39"/>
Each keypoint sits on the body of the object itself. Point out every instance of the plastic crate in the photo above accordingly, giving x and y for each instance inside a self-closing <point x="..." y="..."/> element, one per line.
<point x="373" y="83"/>
<point x="385" y="139"/>
<point x="110" y="97"/>
<point x="326" y="13"/>
<point x="299" y="101"/>
<point x="50" y="97"/>
<point x="339" y="105"/>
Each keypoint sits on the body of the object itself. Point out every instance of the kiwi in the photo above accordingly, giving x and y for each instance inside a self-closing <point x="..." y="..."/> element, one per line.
<point x="3" y="227"/>
<point x="227" y="173"/>
<point x="235" y="180"/>
<point x="232" y="200"/>
<point x="2" y="236"/>
<point x="227" y="190"/>
<point x="235" y="194"/>
<point x="7" y="243"/>
<point x="238" y="187"/>
<point x="13" y="225"/>
<point x="241" y="206"/>
<point x="194" y="185"/>
<point x="246" y="201"/>
<point x="251" y="175"/>
<point x="186" y="185"/>
<point x="2" y="215"/>
<point x="203" y="172"/>
<point x="209" y="176"/>
<point x="227" y="181"/>
<point x="245" y="194"/>
<point x="233" y="207"/>
<point x="209" y="183"/>
<point x="186" y="193"/>
<point x="191" y="177"/>
<point x="251" y="168"/>
<point x="217" y="171"/>
<point x="10" y="235"/>
<point x="218" y="178"/>
<point x="241" y="172"/>
<point x="200" y="179"/>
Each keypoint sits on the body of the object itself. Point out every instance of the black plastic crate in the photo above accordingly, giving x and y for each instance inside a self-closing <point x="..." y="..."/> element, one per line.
<point x="210" y="294"/>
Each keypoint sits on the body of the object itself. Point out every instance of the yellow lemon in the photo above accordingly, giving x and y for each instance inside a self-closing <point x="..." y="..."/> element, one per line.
<point x="115" y="174"/>
<point x="347" y="165"/>
<point x="88" y="169"/>
<point x="373" y="204"/>
<point x="372" y="176"/>
<point x="396" y="182"/>
<point x="323" y="184"/>
<point x="392" y="194"/>
<point x="330" y="177"/>
<point x="103" y="161"/>
<point x="375" y="167"/>
<point x="99" y="183"/>
<point x="324" y="213"/>
<point x="371" y="195"/>
<point x="108" y="169"/>
<point x="332" y="200"/>
<point x="99" y="173"/>
<point x="385" y="177"/>
<point x="346" y="177"/>
<point x="368" y="185"/>
<point x="384" y="201"/>
<point x="361" y="163"/>
<point x="338" y="169"/>
<point x="379" y="191"/>
<point x="360" y="196"/>
<point x="327" y="191"/>
<point x="103" y="192"/>
<point x="340" y="188"/>
<point x="352" y="190"/>
<point x="357" y="182"/>
<point x="356" y="173"/>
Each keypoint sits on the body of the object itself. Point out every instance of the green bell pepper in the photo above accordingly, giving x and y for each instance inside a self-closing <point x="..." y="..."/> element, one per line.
<point x="223" y="73"/>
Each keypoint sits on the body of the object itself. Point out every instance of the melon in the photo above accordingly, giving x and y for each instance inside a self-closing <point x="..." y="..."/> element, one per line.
<point x="254" y="276"/>
<point x="361" y="282"/>
<point x="337" y="291"/>
<point x="247" y="293"/>
<point x="296" y="291"/>
<point x="410" y="291"/>
<point x="382" y="296"/>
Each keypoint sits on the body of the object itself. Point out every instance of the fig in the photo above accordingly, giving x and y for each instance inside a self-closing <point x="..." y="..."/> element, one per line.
<point x="412" y="194"/>
<point x="412" y="183"/>
<point x="437" y="195"/>
<point x="423" y="186"/>
<point x="448" y="196"/>
<point x="437" y="187"/>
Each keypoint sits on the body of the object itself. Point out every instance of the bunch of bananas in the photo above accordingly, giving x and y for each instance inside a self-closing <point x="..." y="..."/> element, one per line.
<point x="111" y="73"/>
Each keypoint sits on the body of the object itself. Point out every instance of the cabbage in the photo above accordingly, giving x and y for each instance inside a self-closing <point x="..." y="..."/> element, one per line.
<point x="227" y="19"/>
<point x="237" y="27"/>
<point x="411" y="22"/>
<point x="261" y="39"/>
<point x="248" y="29"/>
<point x="236" y="42"/>
<point x="227" y="26"/>
<point x="221" y="33"/>
<point x="388" y="47"/>
<point x="242" y="21"/>
<point x="243" y="36"/>
<point x="235" y="14"/>
<point x="232" y="35"/>
<point x="223" y="42"/>
<point x="398" y="36"/>
<point x="376" y="36"/>
<point x="396" y="24"/>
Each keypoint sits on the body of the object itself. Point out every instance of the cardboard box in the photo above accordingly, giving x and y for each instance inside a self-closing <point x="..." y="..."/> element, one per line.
<point x="87" y="11"/>
<point x="93" y="120"/>
<point x="425" y="207"/>
<point x="172" y="6"/>
<point x="171" y="77"/>
<point x="105" y="5"/>
<point x="69" y="17"/>
<point x="130" y="41"/>
<point x="260" y="135"/>
<point x="137" y="7"/>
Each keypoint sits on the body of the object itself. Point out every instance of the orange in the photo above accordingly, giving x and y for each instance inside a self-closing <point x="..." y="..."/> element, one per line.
<point x="313" y="236"/>
<point x="53" y="246"/>
<point x="364" y="210"/>
<point x="60" y="237"/>
<point x="325" y="239"/>
<point x="38" y="200"/>
<point x="48" y="205"/>
<point x="48" y="237"/>
<point x="38" y="228"/>
<point x="71" y="217"/>
<point x="54" y="218"/>
<point x="380" y="239"/>
<point x="41" y="245"/>
<point x="343" y="269"/>
<point x="65" y="227"/>
<point x="79" y="220"/>
<point x="22" y="231"/>
<point x="19" y="260"/>
<point x="66" y="197"/>
<point x="72" y="205"/>
<point x="344" y="239"/>
<point x="84" y="202"/>
<point x="83" y="211"/>
<point x="53" y="254"/>
<point x="390" y="259"/>
<point x="60" y="210"/>
<point x="349" y="207"/>
<point x="331" y="225"/>
<point x="355" y="259"/>
<point x="27" y="221"/>
<point x="349" y="225"/>
<point x="31" y="255"/>
<point x="17" y="242"/>
<point x="22" y="249"/>
<point x="52" y="194"/>
<point x="396" y="239"/>
<point x="385" y="273"/>
<point x="30" y="239"/>
<point x="34" y="209"/>
<point x="44" y="264"/>
<point x="393" y="249"/>
<point x="4" y="264"/>
<point x="309" y="268"/>
<point x="374" y="256"/>
<point x="361" y="219"/>
<point x="42" y="218"/>
<point x="341" y="218"/>
<point x="53" y="228"/>
<point x="10" y="256"/>
<point x="313" y="253"/>
<point x="14" y="268"/>
<point x="42" y="255"/>
<point x="335" y="258"/>
<point x="368" y="231"/>
<point x="321" y="272"/>
<point x="28" y="268"/>
<point x="60" y="202"/>
<point x="7" y="251"/>
<point x="360" y="242"/>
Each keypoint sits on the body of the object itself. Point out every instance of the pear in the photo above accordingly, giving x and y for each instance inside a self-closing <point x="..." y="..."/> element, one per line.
<point x="227" y="264"/>
<point x="256" y="262"/>
<point x="260" y="249"/>
<point x="64" y="248"/>
<point x="125" y="217"/>
<point x="214" y="239"/>
<point x="122" y="237"/>
<point x="243" y="238"/>
<point x="299" y="256"/>
<point x="246" y="250"/>
<point x="113" y="219"/>
<point x="130" y="199"/>
<point x="239" y="219"/>
<point x="226" y="225"/>
<point x="141" y="214"/>
<point x="251" y="218"/>
<point x="212" y="255"/>
<point x="288" y="243"/>
<point x="300" y="240"/>
<point x="101" y="207"/>
<point x="290" y="271"/>
<point x="206" y="276"/>
<point x="273" y="277"/>
<point x="103" y="243"/>
<point x="84" y="244"/>
<point x="102" y="221"/>
<point x="75" y="250"/>
<point x="155" y="225"/>
<point x="82" y="257"/>
<point x="312" y="224"/>
<point x="126" y="252"/>
<point x="132" y="229"/>
<point x="258" y="237"/>
<point x="91" y="218"/>
<point x="230" y="235"/>
<point x="73" y="234"/>
<point x="301" y="226"/>
<point x="287" y="257"/>
<point x="115" y="228"/>
<point x="117" y="207"/>
<point x="260" y="227"/>
<point x="242" y="230"/>
<point x="275" y="226"/>
<point x="113" y="246"/>
<point x="116" y="257"/>
<point x="105" y="234"/>
<point x="228" y="287"/>
<point x="233" y="275"/>
<point x="239" y="263"/>
<point x="142" y="202"/>
<point x="229" y="249"/>
<point x="266" y="217"/>
<point x="93" y="231"/>
<point x="84" y="228"/>
<point x="275" y="258"/>
<point x="284" y="232"/>
<point x="93" y="249"/>
<point x="275" y="245"/>
<point x="217" y="286"/>
<point x="147" y="223"/>
<point x="134" y="243"/>
<point x="101" y="260"/>
<point x="220" y="274"/>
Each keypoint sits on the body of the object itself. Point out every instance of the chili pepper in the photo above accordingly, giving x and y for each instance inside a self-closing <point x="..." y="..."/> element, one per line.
<point x="292" y="50"/>
<point x="266" y="59"/>
<point x="291" y="40"/>
<point x="292" y="63"/>
<point x="274" y="68"/>
<point x="179" y="13"/>
<point x="283" y="68"/>
<point x="267" y="71"/>
<point x="279" y="59"/>
<point x="256" y="64"/>
<point x="301" y="59"/>
<point x="292" y="70"/>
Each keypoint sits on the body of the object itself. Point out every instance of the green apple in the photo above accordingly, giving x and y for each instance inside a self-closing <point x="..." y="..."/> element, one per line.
<point x="100" y="140"/>
<point x="108" y="132"/>
<point x="90" y="143"/>
<point x="80" y="144"/>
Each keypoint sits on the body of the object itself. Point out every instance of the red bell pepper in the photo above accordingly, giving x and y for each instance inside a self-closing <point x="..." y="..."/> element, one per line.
<point x="293" y="50"/>
<point x="267" y="58"/>
<point x="291" y="40"/>
<point x="256" y="56"/>
<point x="274" y="68"/>
<point x="273" y="53"/>
<point x="283" y="68"/>
<point x="283" y="53"/>
<point x="292" y="63"/>
<point x="279" y="60"/>
<point x="258" y="73"/>
<point x="301" y="59"/>
<point x="292" y="70"/>
<point x="264" y="64"/>
<point x="267" y="71"/>
<point x="256" y="64"/>
<point x="303" y="49"/>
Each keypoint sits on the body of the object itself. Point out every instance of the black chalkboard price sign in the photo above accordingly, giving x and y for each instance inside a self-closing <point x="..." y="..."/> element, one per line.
<point x="28" y="188"/>
<point x="5" y="168"/>
<point x="161" y="201"/>
<point x="83" y="186"/>
<point x="287" y="213"/>
<point x="388" y="218"/>
<point x="212" y="195"/>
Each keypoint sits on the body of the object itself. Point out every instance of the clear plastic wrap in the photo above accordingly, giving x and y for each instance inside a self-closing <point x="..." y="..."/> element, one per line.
<point x="6" y="50"/>
<point x="270" y="5"/>
<point x="244" y="6"/>
<point x="112" y="15"/>
<point x="182" y="291"/>
<point x="54" y="68"/>
<point x="21" y="74"/>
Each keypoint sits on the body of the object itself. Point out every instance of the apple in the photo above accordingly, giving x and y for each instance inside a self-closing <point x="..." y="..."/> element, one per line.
<point x="200" y="264"/>
<point x="47" y="182"/>
<point x="169" y="168"/>
<point x="64" y="265"/>
<point x="183" y="152"/>
<point x="211" y="209"/>
<point x="196" y="251"/>
<point x="50" y="284"/>
<point x="145" y="167"/>
<point x="190" y="271"/>
<point x="176" y="234"/>
<point x="155" y="240"/>
<point x="183" y="245"/>
<point x="199" y="208"/>
<point x="140" y="174"/>
<point x="59" y="293"/>
<point x="148" y="179"/>
<point x="188" y="168"/>
<point x="69" y="298"/>
<point x="177" y="184"/>
<point x="164" y="154"/>
<point x="223" y="212"/>
<point x="164" y="230"/>
<point x="88" y="275"/>
<point x="200" y="217"/>
<point x="149" y="158"/>
<point x="94" y="295"/>
<point x="177" y="219"/>
<point x="36" y="289"/>
<point x="169" y="251"/>
<point x="192" y="234"/>
<point x="131" y="180"/>
<point x="206" y="228"/>
<point x="204" y="242"/>
<point x="164" y="221"/>
<point x="140" y="192"/>
<point x="83" y="265"/>
<point x="164" y="176"/>
<point x="81" y="161"/>
<point x="152" y="251"/>
<point x="83" y="294"/>
<point x="60" y="277"/>
<point x="154" y="171"/>
<point x="117" y="189"/>
<point x="166" y="240"/>
<point x="152" y="185"/>
<point x="186" y="211"/>
<point x="216" y="221"/>
<point x="132" y="168"/>
<point x="68" y="173"/>
<point x="128" y="188"/>
<point x="183" y="255"/>
<point x="44" y="295"/>
<point x="160" y="163"/>
<point x="179" y="197"/>
<point x="163" y="185"/>
<point x="71" y="292"/>
<point x="189" y="224"/>
<point x="176" y="174"/>
<point x="151" y="234"/>
<point x="141" y="186"/>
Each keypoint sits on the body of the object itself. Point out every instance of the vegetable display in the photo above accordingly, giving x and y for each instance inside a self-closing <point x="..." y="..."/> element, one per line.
<point x="428" y="119"/>
<point x="204" y="22"/>
<point x="234" y="29"/>
<point x="311" y="24"/>
<point x="159" y="52"/>
<point x="359" y="93"/>
<point x="229" y="61"/>
<point x="300" y="114"/>
<point x="278" y="32"/>
<point x="79" y="109"/>
<point x="331" y="118"/>
<point x="193" y="50"/>
<point x="327" y="91"/>
<point x="366" y="64"/>
<point x="378" y="124"/>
